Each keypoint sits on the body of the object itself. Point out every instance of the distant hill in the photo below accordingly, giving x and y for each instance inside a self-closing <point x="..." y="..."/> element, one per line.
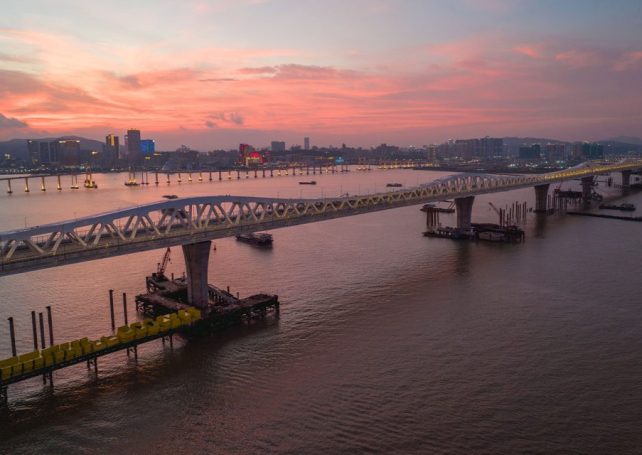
<point x="625" y="140"/>
<point x="19" y="150"/>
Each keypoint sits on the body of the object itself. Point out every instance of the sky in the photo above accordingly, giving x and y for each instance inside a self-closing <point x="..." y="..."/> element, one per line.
<point x="214" y="73"/>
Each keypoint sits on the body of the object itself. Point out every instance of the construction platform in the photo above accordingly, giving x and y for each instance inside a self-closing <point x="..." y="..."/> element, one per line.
<point x="224" y="309"/>
<point x="483" y="232"/>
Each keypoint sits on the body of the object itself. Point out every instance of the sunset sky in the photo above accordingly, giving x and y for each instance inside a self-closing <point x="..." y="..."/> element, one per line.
<point x="211" y="74"/>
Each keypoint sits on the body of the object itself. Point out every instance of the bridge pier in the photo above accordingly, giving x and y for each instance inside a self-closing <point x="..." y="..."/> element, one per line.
<point x="464" y="207"/>
<point x="196" y="264"/>
<point x="587" y="186"/>
<point x="541" y="198"/>
<point x="626" y="178"/>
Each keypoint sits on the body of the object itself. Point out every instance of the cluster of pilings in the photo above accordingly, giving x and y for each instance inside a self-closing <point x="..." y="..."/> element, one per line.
<point x="34" y="326"/>
<point x="513" y="214"/>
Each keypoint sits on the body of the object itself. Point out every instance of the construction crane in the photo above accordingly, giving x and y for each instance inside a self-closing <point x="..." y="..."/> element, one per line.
<point x="498" y="212"/>
<point x="163" y="264"/>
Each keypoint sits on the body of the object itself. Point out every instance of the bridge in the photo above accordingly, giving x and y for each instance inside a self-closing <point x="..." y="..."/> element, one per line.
<point x="195" y="221"/>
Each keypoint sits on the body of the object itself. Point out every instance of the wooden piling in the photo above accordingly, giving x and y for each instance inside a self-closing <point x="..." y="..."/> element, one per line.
<point x="12" y="334"/>
<point x="50" y="323"/>
<point x="125" y="307"/>
<point x="111" y="309"/>
<point x="35" y="331"/>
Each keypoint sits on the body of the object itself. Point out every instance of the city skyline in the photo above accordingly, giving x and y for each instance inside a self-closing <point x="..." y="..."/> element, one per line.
<point x="216" y="74"/>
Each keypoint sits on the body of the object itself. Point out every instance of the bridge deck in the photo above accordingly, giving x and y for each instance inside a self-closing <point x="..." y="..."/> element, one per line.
<point x="196" y="219"/>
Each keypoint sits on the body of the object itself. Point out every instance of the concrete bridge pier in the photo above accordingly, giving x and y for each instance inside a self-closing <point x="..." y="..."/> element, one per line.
<point x="541" y="198"/>
<point x="196" y="264"/>
<point x="464" y="207"/>
<point x="587" y="187"/>
<point x="626" y="178"/>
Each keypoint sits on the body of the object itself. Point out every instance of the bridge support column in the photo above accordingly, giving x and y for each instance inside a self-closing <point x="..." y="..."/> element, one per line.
<point x="626" y="178"/>
<point x="587" y="186"/>
<point x="196" y="261"/>
<point x="464" y="206"/>
<point x="541" y="198"/>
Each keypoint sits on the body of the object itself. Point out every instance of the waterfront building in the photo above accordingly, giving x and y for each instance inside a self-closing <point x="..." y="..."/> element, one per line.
<point x="132" y="142"/>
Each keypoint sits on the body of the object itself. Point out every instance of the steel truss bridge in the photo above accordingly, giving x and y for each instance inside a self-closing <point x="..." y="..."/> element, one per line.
<point x="196" y="219"/>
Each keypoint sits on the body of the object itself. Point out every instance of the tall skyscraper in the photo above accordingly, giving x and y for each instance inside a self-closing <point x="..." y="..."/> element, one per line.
<point x="306" y="143"/>
<point x="112" y="148"/>
<point x="133" y="145"/>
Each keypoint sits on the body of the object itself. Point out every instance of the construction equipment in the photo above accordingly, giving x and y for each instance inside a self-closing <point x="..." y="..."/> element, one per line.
<point x="500" y="213"/>
<point x="163" y="264"/>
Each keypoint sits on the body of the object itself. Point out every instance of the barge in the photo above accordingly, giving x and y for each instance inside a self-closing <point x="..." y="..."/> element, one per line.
<point x="261" y="239"/>
<point x="625" y="207"/>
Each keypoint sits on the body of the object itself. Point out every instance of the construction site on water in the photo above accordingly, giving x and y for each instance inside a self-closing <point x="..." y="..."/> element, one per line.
<point x="165" y="313"/>
<point x="508" y="229"/>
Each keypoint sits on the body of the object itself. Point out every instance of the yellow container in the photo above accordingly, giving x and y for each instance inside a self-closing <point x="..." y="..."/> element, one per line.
<point x="27" y="366"/>
<point x="185" y="317"/>
<point x="87" y="346"/>
<point x="175" y="322"/>
<point x="70" y="354"/>
<point x="99" y="346"/>
<point x="29" y="356"/>
<point x="195" y="312"/>
<point x="125" y="334"/>
<point x="38" y="363"/>
<point x="9" y="362"/>
<point x="5" y="372"/>
<point x="59" y="356"/>
<point x="110" y="341"/>
<point x="164" y="323"/>
<point x="49" y="360"/>
<point x="140" y="331"/>
<point x="16" y="369"/>
<point x="152" y="327"/>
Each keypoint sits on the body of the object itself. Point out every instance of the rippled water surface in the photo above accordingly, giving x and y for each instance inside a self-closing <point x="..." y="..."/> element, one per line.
<point x="388" y="342"/>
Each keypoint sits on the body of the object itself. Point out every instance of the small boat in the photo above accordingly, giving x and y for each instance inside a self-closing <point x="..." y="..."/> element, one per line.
<point x="625" y="207"/>
<point x="311" y="182"/>
<point x="394" y="185"/>
<point x="170" y="196"/>
<point x="256" y="238"/>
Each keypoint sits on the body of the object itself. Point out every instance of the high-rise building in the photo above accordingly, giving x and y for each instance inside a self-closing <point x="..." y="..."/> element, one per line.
<point x="112" y="148"/>
<point x="277" y="146"/>
<point x="70" y="151"/>
<point x="306" y="143"/>
<point x="132" y="140"/>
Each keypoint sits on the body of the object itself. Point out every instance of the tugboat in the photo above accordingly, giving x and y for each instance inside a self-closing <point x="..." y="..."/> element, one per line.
<point x="170" y="196"/>
<point x="261" y="239"/>
<point x="394" y="185"/>
<point x="625" y="207"/>
<point x="311" y="182"/>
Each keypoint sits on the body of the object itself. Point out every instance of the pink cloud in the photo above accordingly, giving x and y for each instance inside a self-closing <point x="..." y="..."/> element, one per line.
<point x="628" y="61"/>
<point x="579" y="58"/>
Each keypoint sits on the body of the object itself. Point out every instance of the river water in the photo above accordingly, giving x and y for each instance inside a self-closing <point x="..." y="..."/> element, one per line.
<point x="387" y="341"/>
